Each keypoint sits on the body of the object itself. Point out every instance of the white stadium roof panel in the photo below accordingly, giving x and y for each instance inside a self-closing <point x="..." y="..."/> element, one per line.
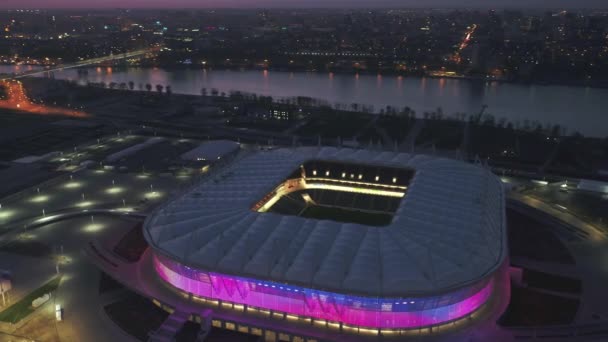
<point x="448" y="232"/>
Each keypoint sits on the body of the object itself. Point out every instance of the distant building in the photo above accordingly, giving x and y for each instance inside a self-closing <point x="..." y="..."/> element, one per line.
<point x="273" y="112"/>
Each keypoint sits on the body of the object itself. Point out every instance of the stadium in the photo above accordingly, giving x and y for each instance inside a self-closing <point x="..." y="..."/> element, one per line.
<point x="354" y="238"/>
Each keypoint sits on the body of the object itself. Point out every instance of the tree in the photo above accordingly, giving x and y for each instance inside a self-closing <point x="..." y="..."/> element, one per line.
<point x="159" y="88"/>
<point x="148" y="87"/>
<point x="112" y="85"/>
<point x="214" y="92"/>
<point x="204" y="92"/>
<point x="556" y="131"/>
<point x="131" y="85"/>
<point x="502" y="122"/>
<point x="168" y="90"/>
<point x="488" y="120"/>
<point x="439" y="115"/>
<point x="122" y="86"/>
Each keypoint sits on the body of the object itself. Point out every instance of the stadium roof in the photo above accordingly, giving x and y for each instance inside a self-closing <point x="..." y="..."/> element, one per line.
<point x="448" y="232"/>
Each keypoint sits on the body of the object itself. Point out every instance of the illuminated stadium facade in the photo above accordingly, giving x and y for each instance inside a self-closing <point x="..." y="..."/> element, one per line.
<point x="375" y="240"/>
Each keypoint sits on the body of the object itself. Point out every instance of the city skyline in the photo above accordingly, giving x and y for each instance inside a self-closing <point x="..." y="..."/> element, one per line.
<point x="65" y="4"/>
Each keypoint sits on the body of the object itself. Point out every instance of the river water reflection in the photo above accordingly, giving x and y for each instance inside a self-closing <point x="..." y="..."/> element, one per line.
<point x="577" y="108"/>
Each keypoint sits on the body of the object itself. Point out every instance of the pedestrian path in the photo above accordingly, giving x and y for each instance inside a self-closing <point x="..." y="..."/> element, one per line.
<point x="170" y="327"/>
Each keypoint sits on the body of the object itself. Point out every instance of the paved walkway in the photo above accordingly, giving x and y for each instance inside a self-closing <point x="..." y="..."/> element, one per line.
<point x="170" y="327"/>
<point x="592" y="231"/>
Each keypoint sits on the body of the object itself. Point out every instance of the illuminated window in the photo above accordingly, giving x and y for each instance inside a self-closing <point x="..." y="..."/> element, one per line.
<point x="230" y="326"/>
<point x="216" y="323"/>
<point x="270" y="336"/>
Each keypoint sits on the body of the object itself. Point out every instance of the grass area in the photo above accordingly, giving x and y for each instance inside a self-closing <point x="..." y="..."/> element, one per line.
<point x="28" y="248"/>
<point x="133" y="244"/>
<point x="22" y="308"/>
<point x="396" y="128"/>
<point x="530" y="308"/>
<point x="492" y="142"/>
<point x="444" y="134"/>
<point x="108" y="284"/>
<point x="136" y="315"/>
<point x="344" y="125"/>
<point x="346" y="215"/>
<point x="533" y="239"/>
<point x="551" y="282"/>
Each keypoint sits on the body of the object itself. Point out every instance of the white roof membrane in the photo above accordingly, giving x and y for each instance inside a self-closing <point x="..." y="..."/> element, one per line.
<point x="448" y="232"/>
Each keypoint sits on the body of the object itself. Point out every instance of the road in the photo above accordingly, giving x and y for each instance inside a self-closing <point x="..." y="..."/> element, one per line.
<point x="18" y="100"/>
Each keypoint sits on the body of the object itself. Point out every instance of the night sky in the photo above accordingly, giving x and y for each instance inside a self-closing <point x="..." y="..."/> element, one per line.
<point x="298" y="3"/>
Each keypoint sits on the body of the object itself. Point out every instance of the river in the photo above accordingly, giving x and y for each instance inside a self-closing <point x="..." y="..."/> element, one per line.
<point x="576" y="108"/>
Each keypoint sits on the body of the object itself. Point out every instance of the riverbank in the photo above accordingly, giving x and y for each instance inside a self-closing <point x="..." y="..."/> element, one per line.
<point x="599" y="84"/>
<point x="577" y="109"/>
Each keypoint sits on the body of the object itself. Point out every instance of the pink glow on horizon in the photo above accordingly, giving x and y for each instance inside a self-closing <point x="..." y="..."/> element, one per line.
<point x="318" y="304"/>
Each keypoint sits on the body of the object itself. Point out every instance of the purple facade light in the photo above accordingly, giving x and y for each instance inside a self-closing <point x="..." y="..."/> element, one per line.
<point x="369" y="312"/>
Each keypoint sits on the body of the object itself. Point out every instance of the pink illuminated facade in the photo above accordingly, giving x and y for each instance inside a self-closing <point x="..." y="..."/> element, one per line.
<point x="369" y="312"/>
